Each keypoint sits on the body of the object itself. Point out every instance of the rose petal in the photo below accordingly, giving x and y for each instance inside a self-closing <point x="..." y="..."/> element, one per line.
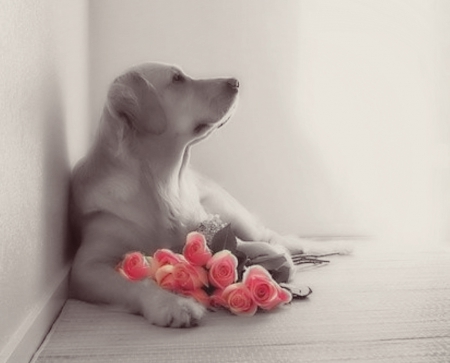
<point x="255" y="270"/>
<point x="216" y="300"/>
<point x="165" y="256"/>
<point x="284" y="295"/>
<point x="200" y="295"/>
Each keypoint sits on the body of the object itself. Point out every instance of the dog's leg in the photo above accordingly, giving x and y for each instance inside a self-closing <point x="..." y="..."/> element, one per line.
<point x="298" y="245"/>
<point x="95" y="279"/>
<point x="217" y="201"/>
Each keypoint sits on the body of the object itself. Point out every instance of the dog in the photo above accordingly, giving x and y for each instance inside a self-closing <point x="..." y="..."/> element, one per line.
<point x="135" y="190"/>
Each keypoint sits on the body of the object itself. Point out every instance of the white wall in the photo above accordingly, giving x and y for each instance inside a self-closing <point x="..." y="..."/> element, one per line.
<point x="342" y="127"/>
<point x="375" y="85"/>
<point x="43" y="87"/>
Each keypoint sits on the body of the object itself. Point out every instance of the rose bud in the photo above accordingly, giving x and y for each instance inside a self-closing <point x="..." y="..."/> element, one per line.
<point x="164" y="278"/>
<point x="196" y="250"/>
<point x="222" y="269"/>
<point x="264" y="289"/>
<point x="239" y="299"/>
<point x="134" y="266"/>
<point x="189" y="277"/>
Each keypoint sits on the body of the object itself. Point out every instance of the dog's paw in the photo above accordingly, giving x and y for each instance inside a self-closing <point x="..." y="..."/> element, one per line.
<point x="296" y="245"/>
<point x="175" y="311"/>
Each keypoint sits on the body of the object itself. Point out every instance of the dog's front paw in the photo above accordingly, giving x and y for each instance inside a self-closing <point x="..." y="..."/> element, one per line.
<point x="175" y="311"/>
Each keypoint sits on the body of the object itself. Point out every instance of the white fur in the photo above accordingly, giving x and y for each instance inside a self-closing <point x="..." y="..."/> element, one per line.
<point x="135" y="191"/>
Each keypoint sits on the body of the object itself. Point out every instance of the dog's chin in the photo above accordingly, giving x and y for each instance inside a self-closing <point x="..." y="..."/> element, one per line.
<point x="205" y="127"/>
<point x="202" y="128"/>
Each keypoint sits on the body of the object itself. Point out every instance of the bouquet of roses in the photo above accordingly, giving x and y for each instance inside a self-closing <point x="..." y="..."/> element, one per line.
<point x="211" y="270"/>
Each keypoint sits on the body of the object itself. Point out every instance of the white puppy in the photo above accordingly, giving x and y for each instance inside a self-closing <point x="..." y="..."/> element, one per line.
<point x="135" y="191"/>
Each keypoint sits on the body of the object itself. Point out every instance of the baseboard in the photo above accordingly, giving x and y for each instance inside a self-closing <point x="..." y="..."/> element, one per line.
<point x="27" y="339"/>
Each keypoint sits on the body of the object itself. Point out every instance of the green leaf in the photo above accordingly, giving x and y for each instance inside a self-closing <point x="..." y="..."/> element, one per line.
<point x="224" y="239"/>
<point x="298" y="292"/>
<point x="242" y="263"/>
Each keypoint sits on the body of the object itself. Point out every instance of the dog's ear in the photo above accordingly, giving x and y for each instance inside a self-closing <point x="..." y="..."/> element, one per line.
<point x="132" y="98"/>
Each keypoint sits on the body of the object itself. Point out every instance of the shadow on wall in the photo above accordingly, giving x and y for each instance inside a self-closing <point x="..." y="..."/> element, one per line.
<point x="55" y="183"/>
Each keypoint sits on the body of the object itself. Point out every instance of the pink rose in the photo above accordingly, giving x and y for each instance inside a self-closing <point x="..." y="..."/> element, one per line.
<point x="165" y="256"/>
<point x="189" y="277"/>
<point x="264" y="289"/>
<point x="164" y="277"/>
<point x="134" y="266"/>
<point x="222" y="269"/>
<point x="239" y="300"/>
<point x="198" y="294"/>
<point x="196" y="250"/>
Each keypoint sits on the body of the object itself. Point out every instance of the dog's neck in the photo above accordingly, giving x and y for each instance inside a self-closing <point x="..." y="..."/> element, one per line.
<point x="169" y="168"/>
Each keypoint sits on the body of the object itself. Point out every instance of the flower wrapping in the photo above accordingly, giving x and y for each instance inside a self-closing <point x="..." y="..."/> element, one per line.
<point x="215" y="274"/>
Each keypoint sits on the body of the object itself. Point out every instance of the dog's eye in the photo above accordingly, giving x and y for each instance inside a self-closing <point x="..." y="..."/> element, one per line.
<point x="178" y="78"/>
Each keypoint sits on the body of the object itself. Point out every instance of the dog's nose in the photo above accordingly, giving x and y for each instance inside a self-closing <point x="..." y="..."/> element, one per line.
<point x="233" y="83"/>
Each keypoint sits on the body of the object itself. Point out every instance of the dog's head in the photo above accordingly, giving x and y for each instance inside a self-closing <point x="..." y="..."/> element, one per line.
<point x="157" y="102"/>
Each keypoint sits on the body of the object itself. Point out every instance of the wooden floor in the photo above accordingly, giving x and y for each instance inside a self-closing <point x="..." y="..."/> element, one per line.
<point x="377" y="305"/>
